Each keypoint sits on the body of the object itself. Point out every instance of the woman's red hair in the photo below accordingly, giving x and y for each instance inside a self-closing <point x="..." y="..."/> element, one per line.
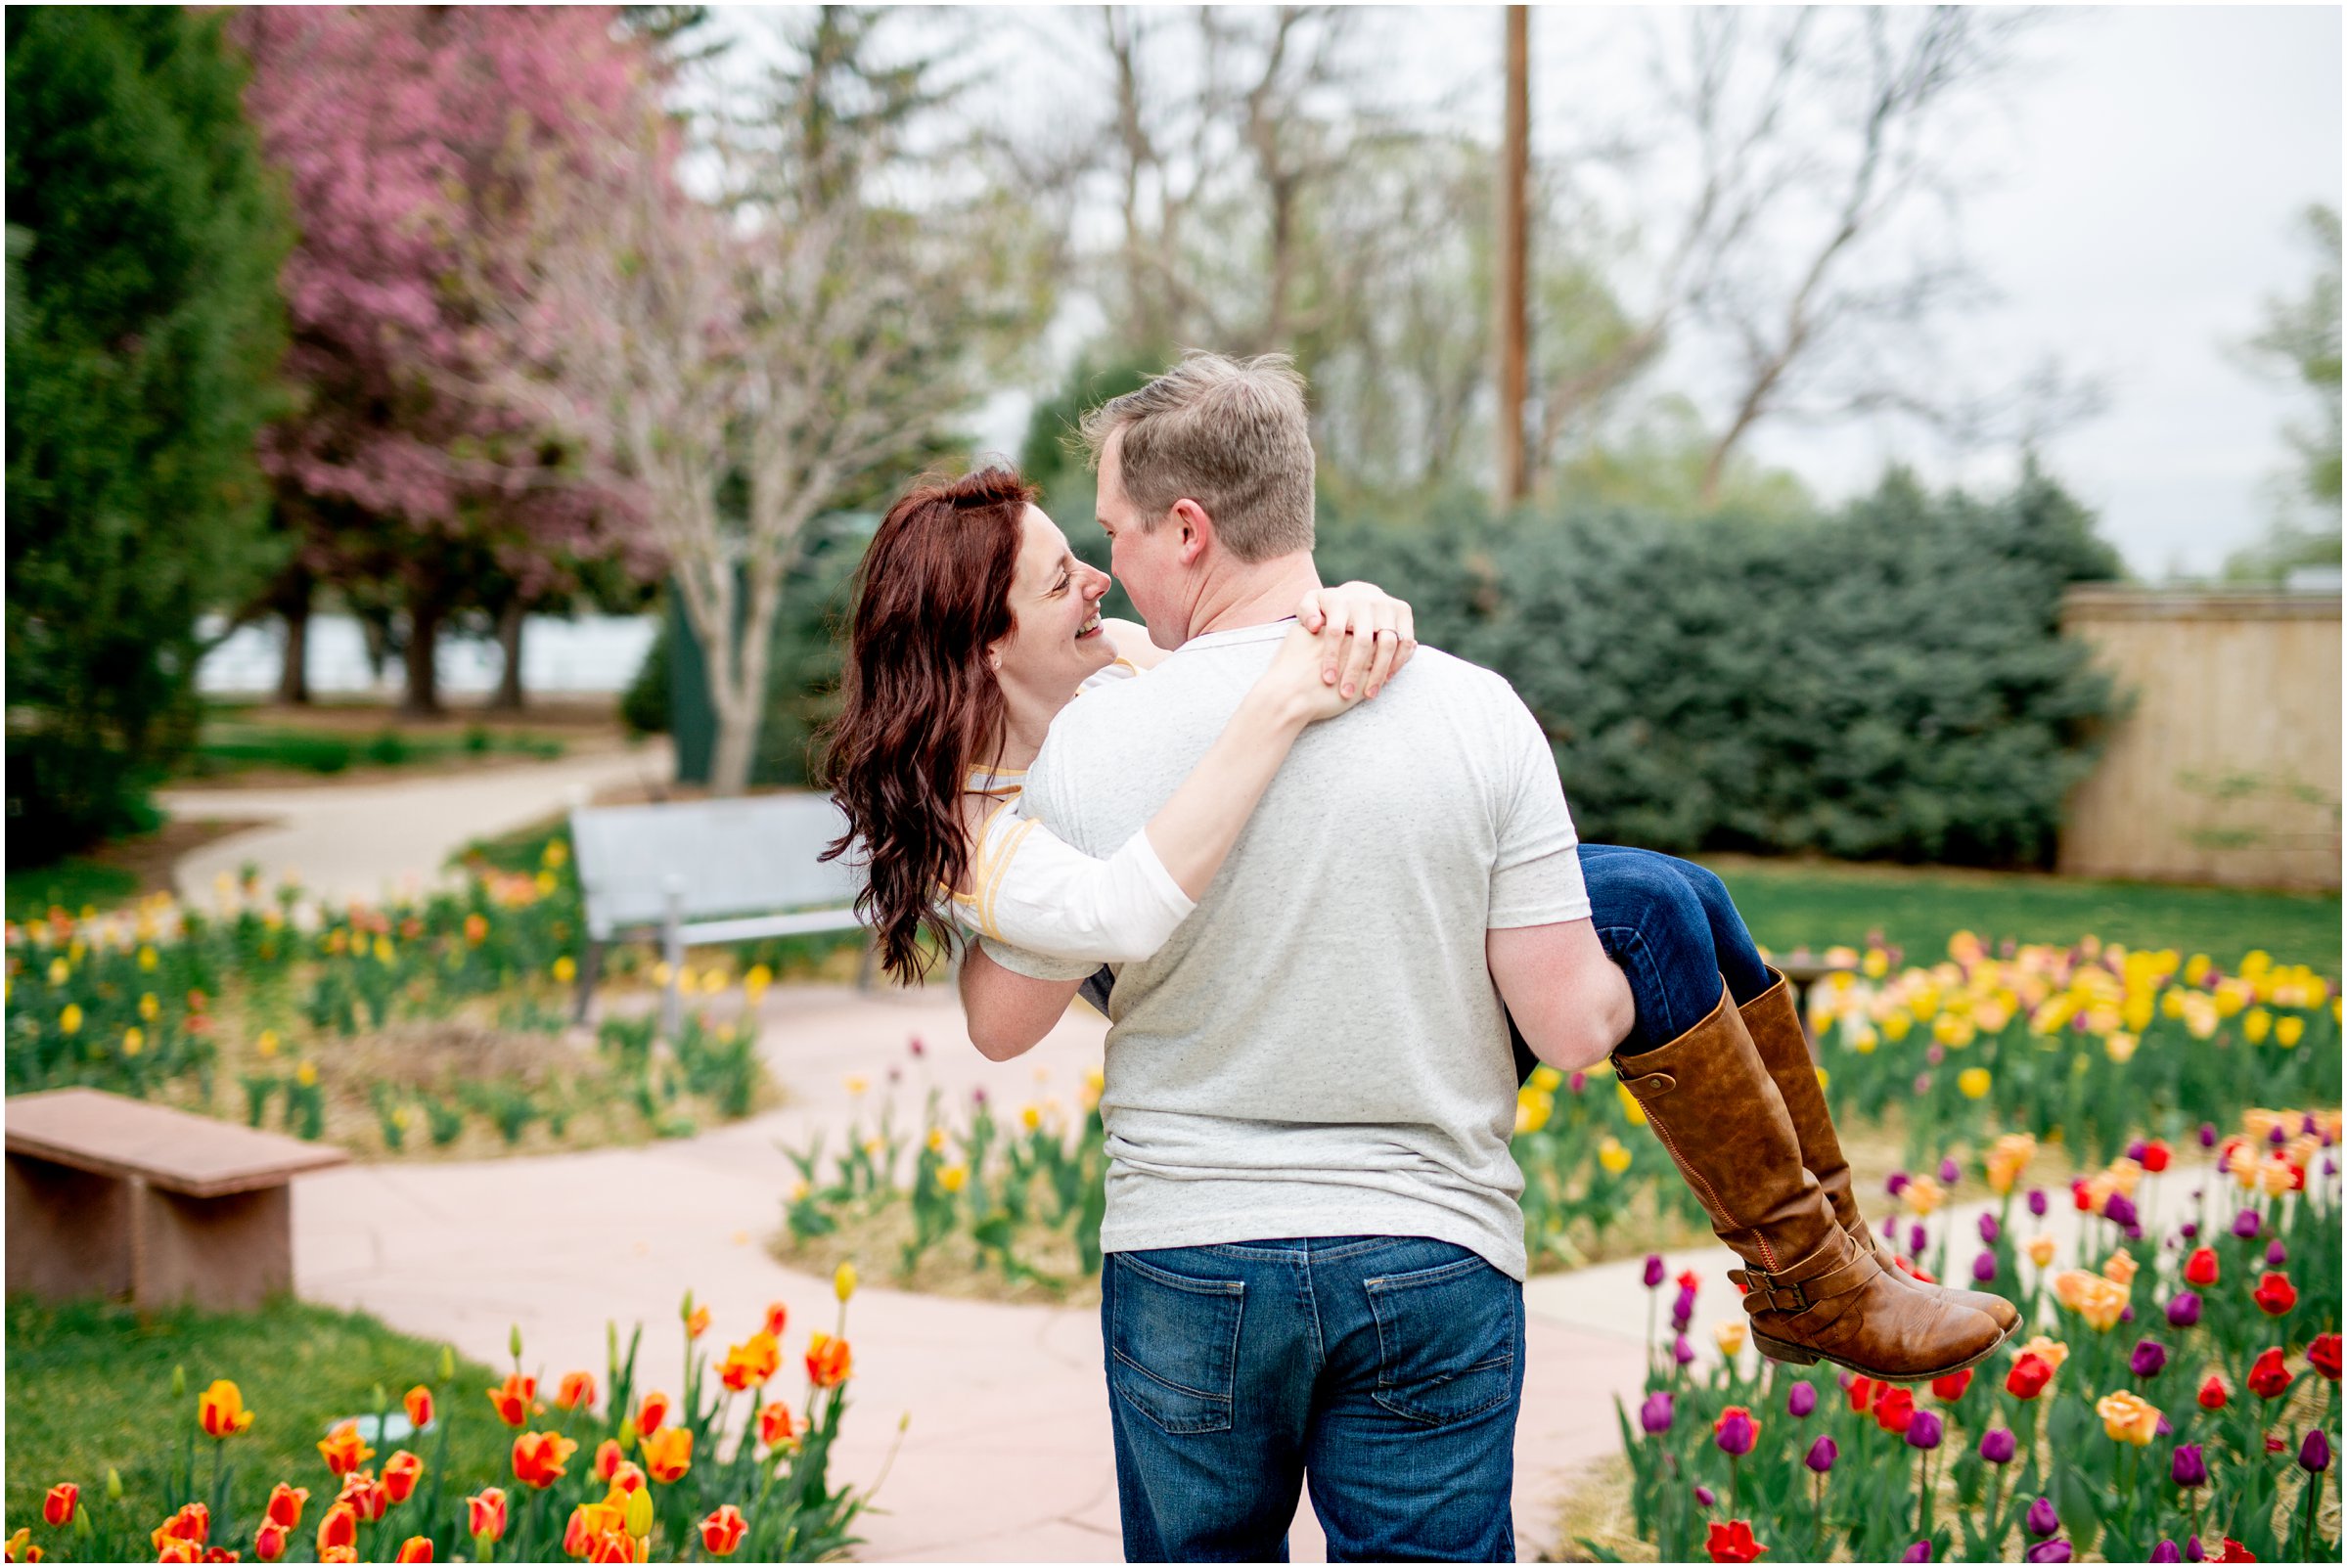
<point x="921" y="704"/>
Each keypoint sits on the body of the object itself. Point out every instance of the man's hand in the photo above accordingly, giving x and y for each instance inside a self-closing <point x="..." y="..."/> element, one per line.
<point x="1009" y="1012"/>
<point x="1568" y="997"/>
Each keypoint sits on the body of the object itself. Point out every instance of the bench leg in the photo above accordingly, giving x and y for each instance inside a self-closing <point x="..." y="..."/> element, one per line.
<point x="590" y="964"/>
<point x="866" y="965"/>
<point x="672" y="949"/>
<point x="68" y="1230"/>
<point x="223" y="1254"/>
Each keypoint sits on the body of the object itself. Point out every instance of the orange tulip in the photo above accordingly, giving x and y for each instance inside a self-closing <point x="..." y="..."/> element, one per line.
<point x="589" y="1520"/>
<point x="750" y="1363"/>
<point x="829" y="1364"/>
<point x="18" y="1547"/>
<point x="612" y="1546"/>
<point x="513" y="1399"/>
<point x="652" y="1413"/>
<point x="577" y="1392"/>
<point x="668" y="1452"/>
<point x="699" y="1324"/>
<point x="539" y="1458"/>
<point x="192" y="1523"/>
<point x="343" y="1449"/>
<point x="777" y="1315"/>
<point x="171" y="1550"/>
<point x="339" y="1554"/>
<point x="285" y="1504"/>
<point x="627" y="1477"/>
<point x="340" y="1528"/>
<point x="418" y="1406"/>
<point x="400" y="1473"/>
<point x="364" y="1495"/>
<point x="269" y="1541"/>
<point x="774" y="1426"/>
<point x="721" y="1532"/>
<point x="484" y="1514"/>
<point x="415" y="1549"/>
<point x="608" y="1458"/>
<point x="220" y="1409"/>
<point x="58" y="1506"/>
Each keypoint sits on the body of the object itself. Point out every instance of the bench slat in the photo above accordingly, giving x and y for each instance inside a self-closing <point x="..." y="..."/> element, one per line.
<point x="113" y="1135"/>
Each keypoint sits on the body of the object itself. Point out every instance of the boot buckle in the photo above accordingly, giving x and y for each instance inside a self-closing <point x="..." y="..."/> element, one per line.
<point x="1770" y="1288"/>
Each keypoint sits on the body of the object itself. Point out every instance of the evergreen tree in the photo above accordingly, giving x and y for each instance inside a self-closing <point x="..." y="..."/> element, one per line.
<point x="145" y="331"/>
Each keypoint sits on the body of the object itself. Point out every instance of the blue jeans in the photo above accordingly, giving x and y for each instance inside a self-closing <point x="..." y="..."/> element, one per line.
<point x="1382" y="1371"/>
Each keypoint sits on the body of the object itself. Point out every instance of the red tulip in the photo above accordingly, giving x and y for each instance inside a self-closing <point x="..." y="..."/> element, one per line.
<point x="400" y="1472"/>
<point x="484" y="1514"/>
<point x="1862" y="1393"/>
<point x="269" y="1541"/>
<point x="721" y="1532"/>
<point x="2324" y="1354"/>
<point x="2268" y="1378"/>
<point x="2212" y="1395"/>
<point x="58" y="1506"/>
<point x="2156" y="1155"/>
<point x="415" y="1549"/>
<point x="2275" y="1294"/>
<point x="1895" y="1410"/>
<point x="513" y="1399"/>
<point x="418" y="1406"/>
<point x="365" y="1495"/>
<point x="2233" y="1552"/>
<point x="652" y="1413"/>
<point x="1733" y="1541"/>
<point x="2029" y="1376"/>
<point x="2200" y="1269"/>
<point x="1951" y="1387"/>
<point x="340" y="1528"/>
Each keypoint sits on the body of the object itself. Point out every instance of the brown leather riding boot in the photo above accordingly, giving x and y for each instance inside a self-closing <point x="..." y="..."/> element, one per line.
<point x="1812" y="1291"/>
<point x="1773" y="1021"/>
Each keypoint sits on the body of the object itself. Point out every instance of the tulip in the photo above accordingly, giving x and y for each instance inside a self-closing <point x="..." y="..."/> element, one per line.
<point x="2275" y="1295"/>
<point x="1951" y="1387"/>
<point x="668" y="1452"/>
<point x="2149" y="1358"/>
<point x="269" y="1541"/>
<point x="2276" y="1254"/>
<point x="2208" y="1135"/>
<point x="2268" y="1378"/>
<point x="1997" y="1445"/>
<point x="514" y="1399"/>
<point x="2047" y="1552"/>
<point x="775" y="1428"/>
<point x="608" y="1458"/>
<point x="415" y="1549"/>
<point x="1682" y="1309"/>
<point x="1950" y="1173"/>
<point x="777" y="1317"/>
<point x="400" y="1473"/>
<point x="221" y="1411"/>
<point x="2188" y="1469"/>
<point x="364" y="1495"/>
<point x="1734" y="1431"/>
<point x="539" y="1458"/>
<point x="652" y="1413"/>
<point x="1861" y="1390"/>
<point x="2212" y="1394"/>
<point x="2166" y="1551"/>
<point x="696" y="1321"/>
<point x="1654" y="1275"/>
<point x="2324" y="1353"/>
<point x="1917" y="1240"/>
<point x="1732" y="1542"/>
<point x="2029" y="1376"/>
<point x="2183" y="1310"/>
<point x="1800" y="1400"/>
<point x="1681" y="1352"/>
<point x="721" y="1532"/>
<point x="1822" y="1454"/>
<point x="2314" y="1456"/>
<point x="57" y="1507"/>
<point x="829" y="1363"/>
<point x="1894" y="1409"/>
<point x="484" y="1515"/>
<point x="577" y="1391"/>
<point x="343" y="1450"/>
<point x="2040" y="1248"/>
<point x="1655" y="1414"/>
<point x="1921" y="1551"/>
<point x="2127" y="1419"/>
<point x="2245" y="1225"/>
<point x="1704" y="1497"/>
<point x="20" y="1548"/>
<point x="284" y="1506"/>
<point x="1923" y="1431"/>
<point x="340" y="1528"/>
<point x="2037" y="1201"/>
<point x="2156" y="1156"/>
<point x="589" y="1523"/>
<point x="2041" y="1519"/>
<point x="843" y="1281"/>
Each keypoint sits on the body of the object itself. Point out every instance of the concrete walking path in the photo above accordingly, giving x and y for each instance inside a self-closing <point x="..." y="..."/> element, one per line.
<point x="364" y="841"/>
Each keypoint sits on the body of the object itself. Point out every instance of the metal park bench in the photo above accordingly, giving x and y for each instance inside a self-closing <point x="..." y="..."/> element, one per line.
<point x="108" y="1194"/>
<point x="702" y="871"/>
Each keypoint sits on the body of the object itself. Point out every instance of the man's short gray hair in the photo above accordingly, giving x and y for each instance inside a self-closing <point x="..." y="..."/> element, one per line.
<point x="1231" y="434"/>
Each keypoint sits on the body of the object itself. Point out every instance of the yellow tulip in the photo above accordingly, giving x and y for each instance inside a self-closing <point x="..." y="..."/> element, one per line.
<point x="2136" y="1013"/>
<point x="2120" y="1047"/>
<point x="147" y="958"/>
<point x="935" y="1139"/>
<point x="2171" y="1003"/>
<point x="148" y="1007"/>
<point x="1729" y="1336"/>
<point x="134" y="1040"/>
<point x="69" y="1020"/>
<point x="555" y="853"/>
<point x="306" y="1074"/>
<point x="2287" y="1030"/>
<point x="843" y="1281"/>
<point x="1895" y="1027"/>
<point x="2039" y="1249"/>
<point x="2256" y="1025"/>
<point x="546" y="882"/>
<point x="1030" y="1116"/>
<point x="566" y="970"/>
<point x="2127" y="1418"/>
<point x="1613" y="1156"/>
<point x="757" y="980"/>
<point x="1545" y="1079"/>
<point x="1630" y="1105"/>
<point x="266" y="1043"/>
<point x="2195" y="969"/>
<point x="1973" y="1083"/>
<point x="59" y="971"/>
<point x="1877" y="963"/>
<point x="2230" y="997"/>
<point x="856" y="1083"/>
<point x="953" y="1178"/>
<point x="1533" y="1109"/>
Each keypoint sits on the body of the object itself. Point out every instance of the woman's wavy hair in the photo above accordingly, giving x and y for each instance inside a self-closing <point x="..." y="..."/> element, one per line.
<point x="922" y="702"/>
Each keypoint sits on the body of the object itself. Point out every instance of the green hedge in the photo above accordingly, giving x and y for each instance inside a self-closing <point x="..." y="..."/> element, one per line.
<point x="1888" y="682"/>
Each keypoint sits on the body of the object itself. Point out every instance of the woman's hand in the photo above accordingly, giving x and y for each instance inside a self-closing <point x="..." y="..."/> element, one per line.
<point x="1383" y="636"/>
<point x="1294" y="686"/>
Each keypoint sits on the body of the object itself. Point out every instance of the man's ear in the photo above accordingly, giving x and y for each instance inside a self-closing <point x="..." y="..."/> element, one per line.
<point x="1197" y="531"/>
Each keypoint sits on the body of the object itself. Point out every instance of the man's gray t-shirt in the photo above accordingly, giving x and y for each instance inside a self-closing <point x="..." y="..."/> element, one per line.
<point x="1319" y="1049"/>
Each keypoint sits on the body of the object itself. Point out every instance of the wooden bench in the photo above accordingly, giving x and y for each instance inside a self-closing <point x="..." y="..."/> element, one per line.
<point x="702" y="871"/>
<point x="109" y="1195"/>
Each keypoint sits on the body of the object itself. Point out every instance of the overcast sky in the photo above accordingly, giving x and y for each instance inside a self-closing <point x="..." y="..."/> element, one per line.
<point x="2138" y="202"/>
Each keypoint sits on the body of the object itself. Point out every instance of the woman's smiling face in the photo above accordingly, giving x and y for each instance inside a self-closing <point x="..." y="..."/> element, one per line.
<point x="1056" y="639"/>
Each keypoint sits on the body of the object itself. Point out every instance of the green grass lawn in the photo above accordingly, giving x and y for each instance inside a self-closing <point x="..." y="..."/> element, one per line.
<point x="231" y="746"/>
<point x="1793" y="904"/>
<point x="71" y="883"/>
<point x="89" y="1387"/>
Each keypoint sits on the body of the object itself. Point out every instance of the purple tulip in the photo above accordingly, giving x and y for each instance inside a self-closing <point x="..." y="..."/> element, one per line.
<point x="1897" y="1183"/>
<point x="2276" y="1254"/>
<point x="2166" y="1551"/>
<point x="1923" y="1082"/>
<point x="1984" y="1268"/>
<point x="1800" y="1401"/>
<point x="2119" y="1210"/>
<point x="2149" y="1358"/>
<point x="2183" y="1310"/>
<point x="915" y="1046"/>
<point x="1950" y="1173"/>
<point x="2190" y="1231"/>
<point x="1997" y="1445"/>
<point x="2278" y="1134"/>
<point x="977" y="1097"/>
<point x="2047" y="1552"/>
<point x="1735" y="1434"/>
<point x="2307" y="1122"/>
<point x="2246" y="1225"/>
<point x="1655" y="1273"/>
<point x="1681" y="1351"/>
<point x="2040" y="1520"/>
<point x="2127" y="1315"/>
<point x="1925" y="1432"/>
<point x="2163" y="1430"/>
<point x="1704" y="1497"/>
<point x="2330" y="1167"/>
<point x="2193" y="1551"/>
<point x="1822" y="1454"/>
<point x="1655" y="1414"/>
<point x="1988" y="1230"/>
<point x="1578" y="1082"/>
<point x="1682" y="1309"/>
<point x="2037" y="1201"/>
<point x="2208" y="1135"/>
<point x="2189" y="1469"/>
<point x="1921" y="1551"/>
<point x="2314" y="1456"/>
<point x="1916" y="1238"/>
<point x="2136" y="1150"/>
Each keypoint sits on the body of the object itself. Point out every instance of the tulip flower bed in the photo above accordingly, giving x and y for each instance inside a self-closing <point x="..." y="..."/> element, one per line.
<point x="624" y="1472"/>
<point x="2173" y="1395"/>
<point x="393" y="1029"/>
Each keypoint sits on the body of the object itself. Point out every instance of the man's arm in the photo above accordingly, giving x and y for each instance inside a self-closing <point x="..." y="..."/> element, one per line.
<point x="1009" y="1012"/>
<point x="1568" y="997"/>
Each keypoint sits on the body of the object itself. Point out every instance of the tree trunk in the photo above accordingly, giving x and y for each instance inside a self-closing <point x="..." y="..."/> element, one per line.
<point x="510" y="618"/>
<point x="428" y="608"/>
<point x="375" y="631"/>
<point x="294" y="675"/>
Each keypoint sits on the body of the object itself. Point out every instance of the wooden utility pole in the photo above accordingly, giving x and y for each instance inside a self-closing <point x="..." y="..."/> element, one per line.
<point x="1514" y="161"/>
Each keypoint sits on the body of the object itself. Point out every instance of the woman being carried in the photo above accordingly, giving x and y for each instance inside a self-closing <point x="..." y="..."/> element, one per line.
<point x="975" y="624"/>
